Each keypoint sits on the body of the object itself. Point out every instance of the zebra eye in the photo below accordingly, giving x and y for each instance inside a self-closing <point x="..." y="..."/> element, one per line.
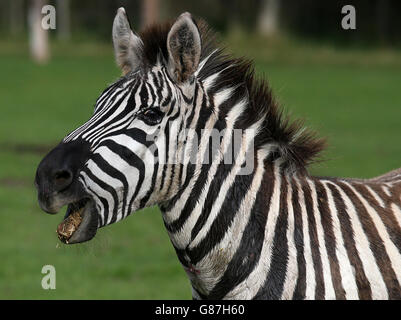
<point x="151" y="116"/>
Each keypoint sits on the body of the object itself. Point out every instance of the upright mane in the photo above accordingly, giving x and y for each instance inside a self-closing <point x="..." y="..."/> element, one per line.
<point x="296" y="145"/>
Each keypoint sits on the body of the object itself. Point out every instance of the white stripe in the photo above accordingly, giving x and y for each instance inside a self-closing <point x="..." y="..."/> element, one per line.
<point x="116" y="125"/>
<point x="131" y="173"/>
<point x="100" y="191"/>
<point x="391" y="249"/>
<point x="99" y="204"/>
<point x="371" y="270"/>
<point x="91" y="123"/>
<point x="174" y="214"/>
<point x="329" y="293"/>
<point x="203" y="62"/>
<point x="348" y="280"/>
<point x="225" y="187"/>
<point x="182" y="238"/>
<point x="112" y="182"/>
<point x="374" y="194"/>
<point x="223" y="95"/>
<point x="249" y="287"/>
<point x="309" y="267"/>
<point x="109" y="95"/>
<point x="104" y="121"/>
<point x="209" y="81"/>
<point x="227" y="247"/>
<point x="386" y="190"/>
<point x="397" y="213"/>
<point x="119" y="92"/>
<point x="191" y="134"/>
<point x="291" y="275"/>
<point x="170" y="160"/>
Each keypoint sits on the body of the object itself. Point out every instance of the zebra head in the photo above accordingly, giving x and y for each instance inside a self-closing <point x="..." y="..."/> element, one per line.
<point x="110" y="166"/>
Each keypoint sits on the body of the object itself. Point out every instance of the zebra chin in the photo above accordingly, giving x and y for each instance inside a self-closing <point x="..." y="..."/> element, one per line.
<point x="80" y="222"/>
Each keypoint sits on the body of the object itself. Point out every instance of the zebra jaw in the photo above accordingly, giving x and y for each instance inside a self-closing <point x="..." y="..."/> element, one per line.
<point x="80" y="222"/>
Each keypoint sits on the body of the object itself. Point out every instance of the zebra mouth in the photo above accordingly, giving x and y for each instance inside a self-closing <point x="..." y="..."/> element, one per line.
<point x="80" y="222"/>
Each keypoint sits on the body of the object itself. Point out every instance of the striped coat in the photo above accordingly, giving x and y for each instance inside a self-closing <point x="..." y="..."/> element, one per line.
<point x="304" y="238"/>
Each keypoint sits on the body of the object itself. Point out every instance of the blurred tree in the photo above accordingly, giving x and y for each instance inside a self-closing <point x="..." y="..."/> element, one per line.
<point x="38" y="37"/>
<point x="382" y="16"/>
<point x="377" y="20"/>
<point x="63" y="19"/>
<point x="16" y="16"/>
<point x="150" y="12"/>
<point x="268" y="22"/>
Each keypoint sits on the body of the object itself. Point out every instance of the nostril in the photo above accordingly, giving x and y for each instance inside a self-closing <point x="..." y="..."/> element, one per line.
<point x="62" y="179"/>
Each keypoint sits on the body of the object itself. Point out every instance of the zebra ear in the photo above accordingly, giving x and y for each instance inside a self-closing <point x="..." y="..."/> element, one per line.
<point x="127" y="45"/>
<point x="184" y="48"/>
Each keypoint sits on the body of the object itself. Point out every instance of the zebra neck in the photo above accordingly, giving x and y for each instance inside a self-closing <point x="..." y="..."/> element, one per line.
<point x="220" y="221"/>
<point x="279" y="235"/>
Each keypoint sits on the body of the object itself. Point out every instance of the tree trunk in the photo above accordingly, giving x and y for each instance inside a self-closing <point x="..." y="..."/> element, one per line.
<point x="150" y="12"/>
<point x="63" y="19"/>
<point x="382" y="18"/>
<point x="38" y="37"/>
<point x="269" y="17"/>
<point x="16" y="16"/>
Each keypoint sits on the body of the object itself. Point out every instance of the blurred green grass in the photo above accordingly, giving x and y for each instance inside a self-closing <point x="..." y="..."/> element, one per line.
<point x="351" y="97"/>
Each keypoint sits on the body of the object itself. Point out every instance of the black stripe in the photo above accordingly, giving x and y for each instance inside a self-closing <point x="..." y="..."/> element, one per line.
<point x="177" y="166"/>
<point x="104" y="203"/>
<point x="139" y="136"/>
<point x="112" y="127"/>
<point x="193" y="108"/>
<point x="115" y="86"/>
<point x="300" y="287"/>
<point x="167" y="145"/>
<point x="105" y="118"/>
<point x="133" y="160"/>
<point x="192" y="201"/>
<point x="91" y="123"/>
<point x="330" y="240"/>
<point x="376" y="245"/>
<point x="145" y="199"/>
<point x="213" y="191"/>
<point x="251" y="242"/>
<point x="317" y="263"/>
<point x="224" y="219"/>
<point x="364" y="290"/>
<point x="143" y="95"/>
<point x="159" y="88"/>
<point x="203" y="117"/>
<point x="274" y="283"/>
<point x="113" y="172"/>
<point x="386" y="215"/>
<point x="150" y="89"/>
<point x="167" y="99"/>
<point x="107" y="188"/>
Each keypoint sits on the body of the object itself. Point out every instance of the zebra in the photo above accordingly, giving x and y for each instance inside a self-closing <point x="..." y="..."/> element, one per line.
<point x="275" y="232"/>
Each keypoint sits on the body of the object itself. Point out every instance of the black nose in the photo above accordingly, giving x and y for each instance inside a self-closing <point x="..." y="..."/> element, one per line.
<point x="57" y="172"/>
